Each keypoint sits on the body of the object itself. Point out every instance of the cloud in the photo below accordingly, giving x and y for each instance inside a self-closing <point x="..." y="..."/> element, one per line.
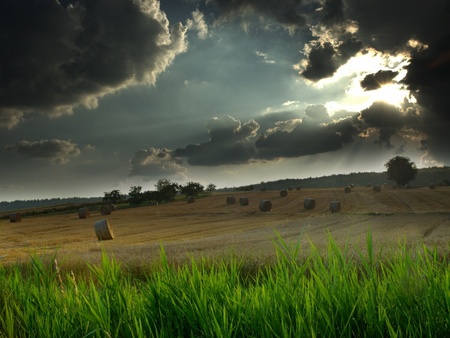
<point x="265" y="57"/>
<point x="289" y="14"/>
<point x="56" y="151"/>
<point x="315" y="134"/>
<point x="156" y="163"/>
<point x="229" y="143"/>
<point x="323" y="58"/>
<point x="377" y="80"/>
<point x="55" y="57"/>
<point x="388" y="25"/>
<point x="389" y="120"/>
<point x="198" y="24"/>
<point x="10" y="117"/>
<point x="428" y="79"/>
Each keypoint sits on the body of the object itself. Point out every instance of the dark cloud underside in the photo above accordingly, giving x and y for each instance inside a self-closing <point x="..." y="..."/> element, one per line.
<point x="377" y="80"/>
<point x="54" y="57"/>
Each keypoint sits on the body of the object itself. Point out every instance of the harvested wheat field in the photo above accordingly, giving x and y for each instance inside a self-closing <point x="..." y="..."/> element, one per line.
<point x="210" y="227"/>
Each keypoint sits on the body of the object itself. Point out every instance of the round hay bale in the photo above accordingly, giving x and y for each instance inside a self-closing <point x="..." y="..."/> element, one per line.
<point x="351" y="185"/>
<point x="283" y="193"/>
<point x="190" y="199"/>
<point x="113" y="207"/>
<point x="432" y="186"/>
<point x="103" y="230"/>
<point x="348" y="189"/>
<point x="231" y="200"/>
<point x="265" y="205"/>
<point x="153" y="203"/>
<point x="335" y="206"/>
<point x="243" y="201"/>
<point x="15" y="217"/>
<point x="290" y="188"/>
<point x="369" y="185"/>
<point x="309" y="203"/>
<point x="376" y="188"/>
<point x="298" y="188"/>
<point x="105" y="210"/>
<point x="84" y="213"/>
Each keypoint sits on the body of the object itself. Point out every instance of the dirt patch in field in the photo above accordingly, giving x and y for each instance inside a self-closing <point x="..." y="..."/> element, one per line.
<point x="209" y="227"/>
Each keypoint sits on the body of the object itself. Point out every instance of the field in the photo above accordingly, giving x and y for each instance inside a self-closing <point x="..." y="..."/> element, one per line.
<point x="362" y="272"/>
<point x="209" y="227"/>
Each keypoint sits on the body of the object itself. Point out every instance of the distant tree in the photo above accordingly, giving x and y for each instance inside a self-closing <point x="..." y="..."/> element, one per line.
<point x="401" y="170"/>
<point x="211" y="187"/>
<point x="192" y="189"/>
<point x="136" y="195"/>
<point x="245" y="188"/>
<point x="167" y="189"/>
<point x="152" y="196"/>
<point x="113" y="197"/>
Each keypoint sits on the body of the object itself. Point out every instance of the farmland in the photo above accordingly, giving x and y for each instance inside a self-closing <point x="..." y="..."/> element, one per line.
<point x="209" y="227"/>
<point x="377" y="268"/>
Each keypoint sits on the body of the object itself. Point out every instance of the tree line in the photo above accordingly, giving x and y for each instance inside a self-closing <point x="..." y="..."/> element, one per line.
<point x="165" y="190"/>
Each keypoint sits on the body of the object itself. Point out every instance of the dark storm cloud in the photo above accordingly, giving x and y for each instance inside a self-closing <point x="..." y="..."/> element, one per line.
<point x="315" y="134"/>
<point x="155" y="163"/>
<point x="387" y="25"/>
<point x="332" y="12"/>
<point x="428" y="78"/>
<point x="56" y="151"/>
<point x="229" y="143"/>
<point x="56" y="57"/>
<point x="325" y="58"/>
<point x="377" y="80"/>
<point x="388" y="120"/>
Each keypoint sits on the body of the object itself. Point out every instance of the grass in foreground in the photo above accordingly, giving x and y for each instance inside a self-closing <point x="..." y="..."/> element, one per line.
<point x="320" y="296"/>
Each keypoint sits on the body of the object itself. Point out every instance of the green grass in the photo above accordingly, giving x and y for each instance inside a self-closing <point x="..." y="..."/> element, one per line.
<point x="340" y="293"/>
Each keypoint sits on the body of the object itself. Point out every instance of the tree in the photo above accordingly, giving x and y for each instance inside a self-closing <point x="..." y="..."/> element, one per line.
<point x="113" y="197"/>
<point x="136" y="195"/>
<point x="152" y="195"/>
<point x="167" y="189"/>
<point x="211" y="187"/>
<point x="401" y="170"/>
<point x="192" y="189"/>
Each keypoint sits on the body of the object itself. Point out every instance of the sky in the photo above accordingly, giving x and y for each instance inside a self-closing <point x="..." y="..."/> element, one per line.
<point x="98" y="95"/>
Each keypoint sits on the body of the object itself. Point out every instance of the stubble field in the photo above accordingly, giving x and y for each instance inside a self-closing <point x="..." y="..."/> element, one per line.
<point x="211" y="228"/>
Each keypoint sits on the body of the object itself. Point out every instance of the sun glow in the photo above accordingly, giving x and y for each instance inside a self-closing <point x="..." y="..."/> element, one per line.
<point x="347" y="82"/>
<point x="391" y="93"/>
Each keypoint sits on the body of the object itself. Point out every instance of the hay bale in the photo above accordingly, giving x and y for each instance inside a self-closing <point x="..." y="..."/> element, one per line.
<point x="243" y="201"/>
<point x="265" y="205"/>
<point x="432" y="186"/>
<point x="113" y="207"/>
<point x="15" y="217"/>
<point x="348" y="189"/>
<point x="153" y="202"/>
<point x="84" y="213"/>
<point x="351" y="185"/>
<point x="105" y="210"/>
<point x="190" y="199"/>
<point x="103" y="230"/>
<point x="369" y="185"/>
<point x="376" y="188"/>
<point x="231" y="200"/>
<point x="309" y="203"/>
<point x="283" y="193"/>
<point x="335" y="206"/>
<point x="290" y="188"/>
<point x="297" y="188"/>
